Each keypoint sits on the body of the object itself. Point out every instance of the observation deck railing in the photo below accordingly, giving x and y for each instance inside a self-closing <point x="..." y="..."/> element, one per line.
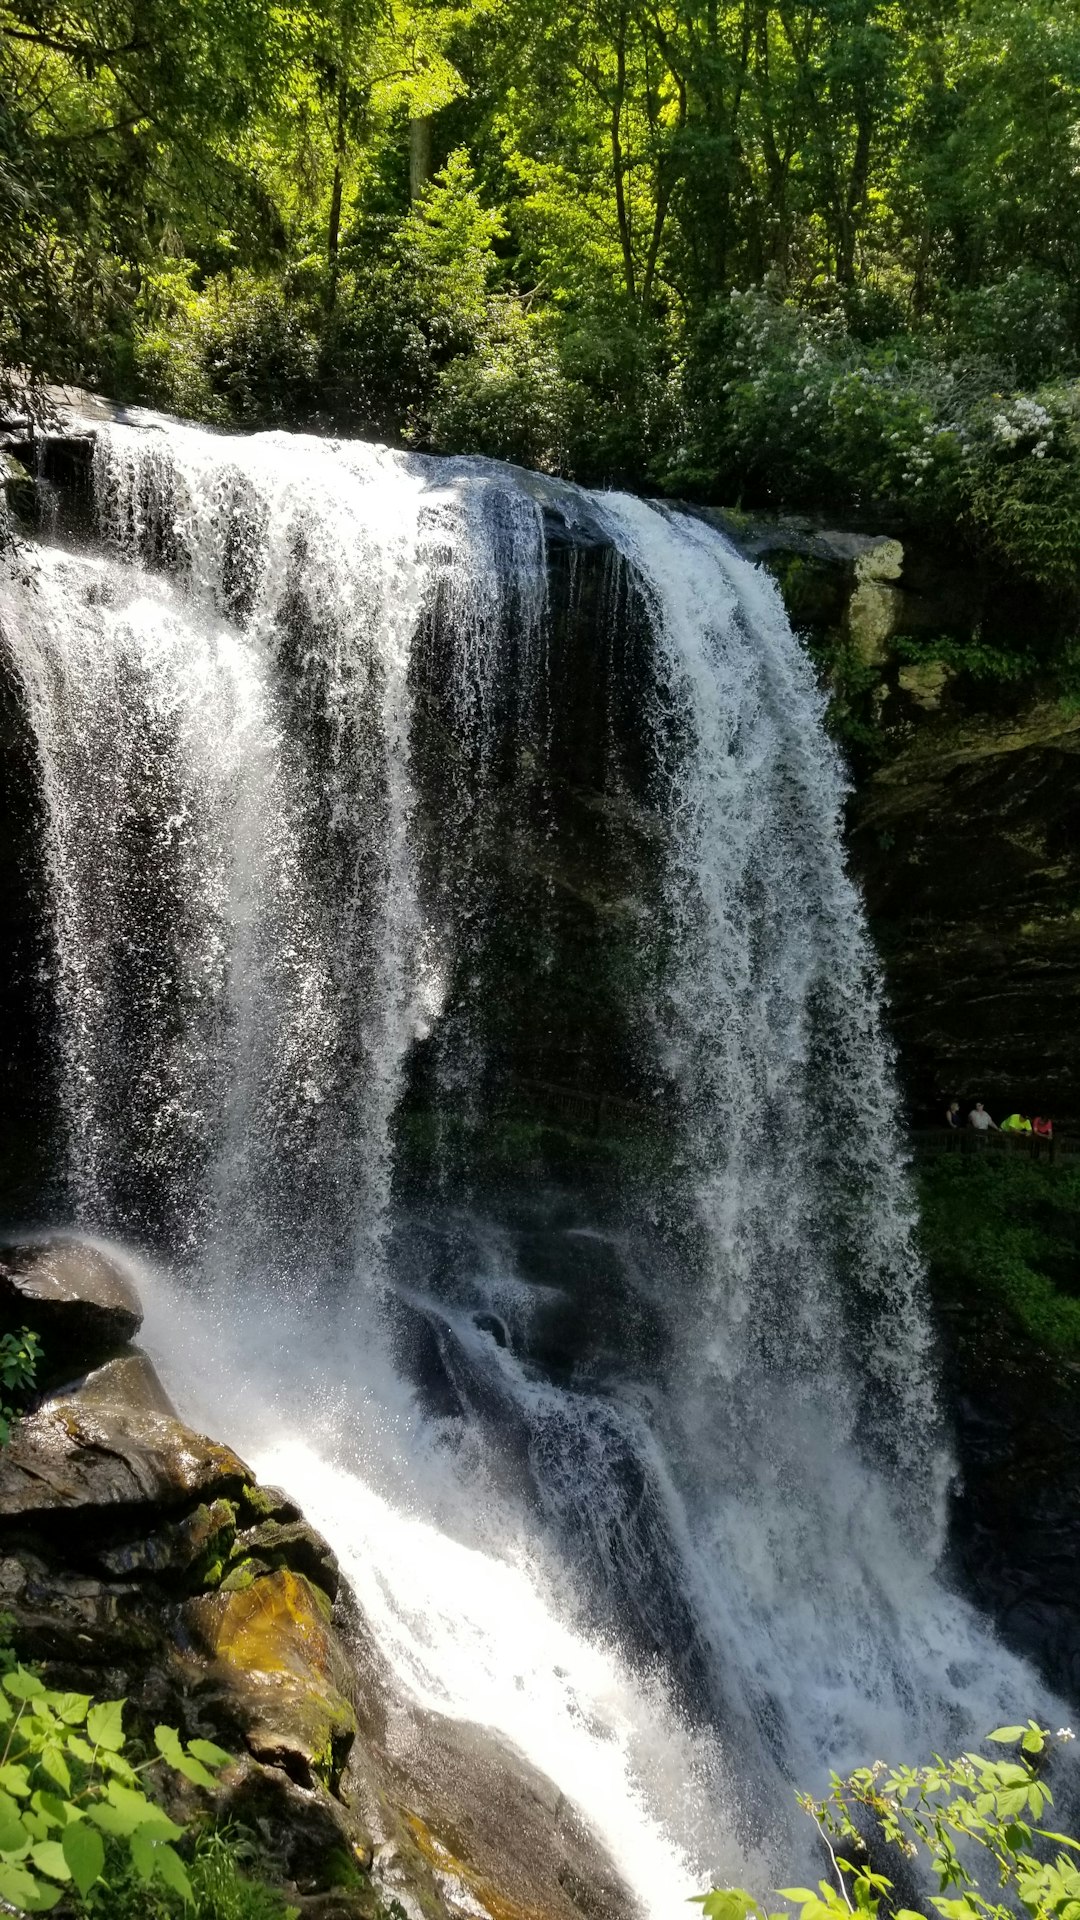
<point x="968" y="1140"/>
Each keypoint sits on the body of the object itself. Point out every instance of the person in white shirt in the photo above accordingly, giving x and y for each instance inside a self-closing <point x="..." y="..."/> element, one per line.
<point x="980" y="1119"/>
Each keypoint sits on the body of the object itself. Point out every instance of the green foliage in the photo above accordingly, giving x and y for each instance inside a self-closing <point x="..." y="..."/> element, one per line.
<point x="222" y="1890"/>
<point x="69" y="1792"/>
<point x="222" y="1873"/>
<point x="973" y="1822"/>
<point x="1010" y="1225"/>
<point x="19" y="1356"/>
<point x="742" y="250"/>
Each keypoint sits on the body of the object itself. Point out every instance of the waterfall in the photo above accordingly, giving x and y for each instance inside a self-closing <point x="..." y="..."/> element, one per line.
<point x="372" y="786"/>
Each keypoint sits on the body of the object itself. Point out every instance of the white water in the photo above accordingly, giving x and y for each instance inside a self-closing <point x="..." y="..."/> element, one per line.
<point x="249" y="941"/>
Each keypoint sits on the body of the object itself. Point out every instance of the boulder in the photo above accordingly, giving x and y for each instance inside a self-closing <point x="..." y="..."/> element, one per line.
<point x="280" y="1672"/>
<point x="193" y="1551"/>
<point x="307" y="1832"/>
<point x="76" y="1298"/>
<point x="275" y="1543"/>
<point x="16" y="486"/>
<point x="90" y="1459"/>
<point x="130" y="1381"/>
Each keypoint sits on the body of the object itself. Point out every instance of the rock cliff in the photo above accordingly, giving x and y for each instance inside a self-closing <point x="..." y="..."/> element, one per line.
<point x="965" y="815"/>
<point x="141" y="1559"/>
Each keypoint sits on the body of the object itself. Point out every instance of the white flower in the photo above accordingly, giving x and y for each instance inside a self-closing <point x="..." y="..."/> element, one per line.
<point x="1065" y="1733"/>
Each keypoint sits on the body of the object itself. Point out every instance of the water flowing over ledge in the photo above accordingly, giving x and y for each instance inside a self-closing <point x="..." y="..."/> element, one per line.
<point x="375" y="786"/>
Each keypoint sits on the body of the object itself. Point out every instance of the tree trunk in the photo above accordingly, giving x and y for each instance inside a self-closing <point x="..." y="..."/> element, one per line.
<point x="622" y="209"/>
<point x="419" y="156"/>
<point x="333" y="229"/>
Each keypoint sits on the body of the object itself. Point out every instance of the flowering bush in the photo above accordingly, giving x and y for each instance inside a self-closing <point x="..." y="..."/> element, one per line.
<point x="808" y="413"/>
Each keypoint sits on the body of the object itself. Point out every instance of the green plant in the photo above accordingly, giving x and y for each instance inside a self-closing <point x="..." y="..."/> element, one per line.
<point x="67" y="1788"/>
<point x="973" y="1822"/>
<point x="1011" y="1226"/>
<point x="19" y="1356"/>
<point x="220" y="1888"/>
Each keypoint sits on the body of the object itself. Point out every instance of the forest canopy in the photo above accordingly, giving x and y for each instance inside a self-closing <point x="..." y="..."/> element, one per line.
<point x="776" y="251"/>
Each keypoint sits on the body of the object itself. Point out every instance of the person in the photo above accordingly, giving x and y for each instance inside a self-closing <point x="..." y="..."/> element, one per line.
<point x="1015" y="1123"/>
<point x="980" y="1119"/>
<point x="952" y="1114"/>
<point x="1042" y="1136"/>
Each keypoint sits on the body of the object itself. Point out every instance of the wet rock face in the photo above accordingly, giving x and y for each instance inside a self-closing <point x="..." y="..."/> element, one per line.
<point x="1015" y="1512"/>
<point x="85" y="1458"/>
<point x="78" y="1300"/>
<point x="276" y="1666"/>
<point x="968" y="843"/>
<point x="139" y="1559"/>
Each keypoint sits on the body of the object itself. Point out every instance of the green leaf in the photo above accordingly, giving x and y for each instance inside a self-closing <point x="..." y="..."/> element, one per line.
<point x="142" y="1855"/>
<point x="170" y="1868"/>
<point x="12" y="1833"/>
<point x="72" y="1708"/>
<point x="84" y="1851"/>
<point x="81" y="1749"/>
<point x="23" y="1685"/>
<point x="193" y="1770"/>
<point x="725" y="1903"/>
<point x="52" y="1762"/>
<point x="212" y="1756"/>
<point x="169" y="1745"/>
<point x="111" y="1821"/>
<point x="49" y="1856"/>
<point x="1008" y="1734"/>
<point x="54" y="1810"/>
<point x="1033" y="1742"/>
<point x="800" y="1895"/>
<point x="21" y="1889"/>
<point x="105" y="1724"/>
<point x="142" y="1812"/>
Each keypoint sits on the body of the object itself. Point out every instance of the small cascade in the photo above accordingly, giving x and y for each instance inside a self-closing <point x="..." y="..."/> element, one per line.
<point x="379" y="793"/>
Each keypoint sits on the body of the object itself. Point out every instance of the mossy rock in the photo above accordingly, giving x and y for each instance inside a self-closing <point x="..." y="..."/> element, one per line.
<point x="279" y="1672"/>
<point x="197" y="1548"/>
<point x="293" y="1543"/>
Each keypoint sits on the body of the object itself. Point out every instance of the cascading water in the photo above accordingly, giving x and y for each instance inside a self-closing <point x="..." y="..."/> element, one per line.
<point x="641" y="1469"/>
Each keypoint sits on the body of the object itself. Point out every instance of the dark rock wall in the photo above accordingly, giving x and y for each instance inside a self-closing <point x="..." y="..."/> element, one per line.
<point x="27" y="1089"/>
<point x="968" y="844"/>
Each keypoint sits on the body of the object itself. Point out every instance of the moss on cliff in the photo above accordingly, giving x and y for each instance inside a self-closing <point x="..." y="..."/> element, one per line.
<point x="1008" y="1226"/>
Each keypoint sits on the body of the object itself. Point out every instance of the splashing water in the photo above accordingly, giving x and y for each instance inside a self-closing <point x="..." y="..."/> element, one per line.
<point x="307" y="766"/>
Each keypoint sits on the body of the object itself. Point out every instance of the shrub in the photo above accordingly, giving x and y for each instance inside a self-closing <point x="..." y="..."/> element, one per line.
<point x="1011" y="1225"/>
<point x="787" y="406"/>
<point x="974" y="1823"/>
<point x="19" y="1356"/>
<point x="240" y="350"/>
<point x="69" y="1793"/>
<point x="1021" y="322"/>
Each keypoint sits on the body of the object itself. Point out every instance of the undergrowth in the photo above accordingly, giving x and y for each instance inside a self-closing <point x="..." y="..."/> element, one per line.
<point x="1009" y="1226"/>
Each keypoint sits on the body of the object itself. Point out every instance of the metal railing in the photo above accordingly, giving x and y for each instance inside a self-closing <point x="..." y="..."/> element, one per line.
<point x="967" y="1139"/>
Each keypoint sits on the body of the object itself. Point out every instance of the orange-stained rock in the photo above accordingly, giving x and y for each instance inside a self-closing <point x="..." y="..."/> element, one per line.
<point x="278" y="1669"/>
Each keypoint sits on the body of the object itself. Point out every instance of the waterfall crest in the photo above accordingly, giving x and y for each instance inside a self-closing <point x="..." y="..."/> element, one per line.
<point x="645" y="1469"/>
